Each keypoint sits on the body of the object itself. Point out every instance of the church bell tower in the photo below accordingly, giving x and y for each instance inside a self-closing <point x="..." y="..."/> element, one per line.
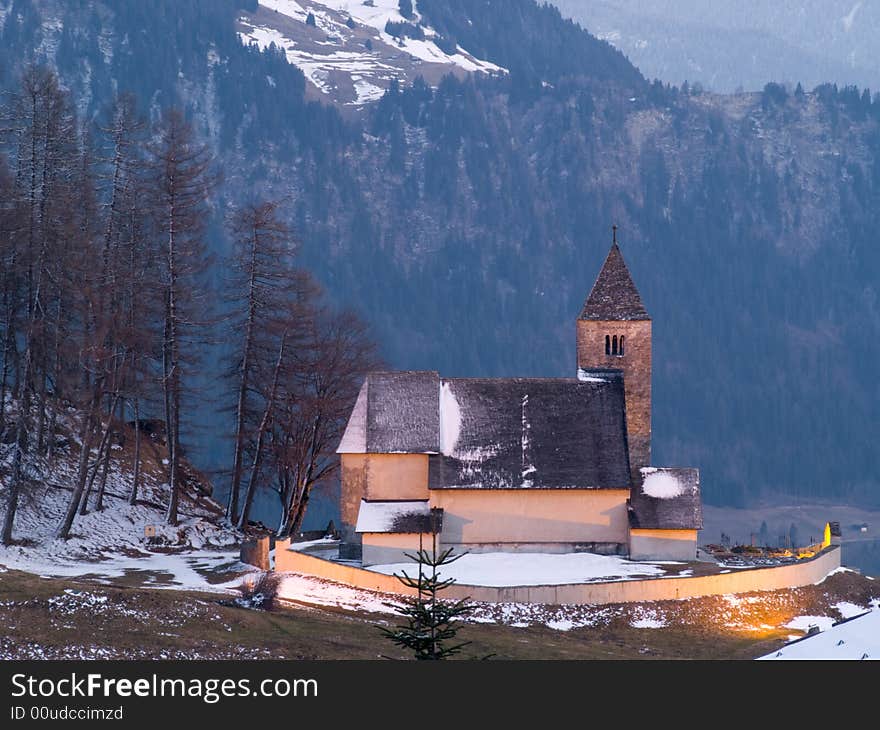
<point x="614" y="332"/>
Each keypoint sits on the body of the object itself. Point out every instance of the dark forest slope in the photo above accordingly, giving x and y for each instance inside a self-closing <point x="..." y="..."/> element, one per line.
<point x="467" y="222"/>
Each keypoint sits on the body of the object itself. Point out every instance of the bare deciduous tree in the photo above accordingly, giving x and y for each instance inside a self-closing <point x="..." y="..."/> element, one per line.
<point x="262" y="246"/>
<point x="182" y="182"/>
<point x="45" y="158"/>
<point x="338" y="354"/>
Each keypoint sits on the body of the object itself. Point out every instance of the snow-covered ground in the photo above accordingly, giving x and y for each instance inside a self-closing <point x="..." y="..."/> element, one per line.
<point x="347" y="54"/>
<point x="179" y="571"/>
<point x="111" y="543"/>
<point x="857" y="638"/>
<point x="315" y="591"/>
<point x="533" y="569"/>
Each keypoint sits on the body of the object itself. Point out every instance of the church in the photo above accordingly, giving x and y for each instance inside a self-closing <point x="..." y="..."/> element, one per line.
<point x="522" y="464"/>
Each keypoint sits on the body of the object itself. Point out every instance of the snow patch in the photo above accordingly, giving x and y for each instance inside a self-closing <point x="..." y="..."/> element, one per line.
<point x="661" y="485"/>
<point x="450" y="420"/>
<point x="848" y="610"/>
<point x="585" y="377"/>
<point x="855" y="639"/>
<point x="380" y="516"/>
<point x="644" y="618"/>
<point x="307" y="589"/>
<point x="182" y="571"/>
<point x="368" y="68"/>
<point x="805" y="622"/>
<point x="527" y="467"/>
<point x="561" y="624"/>
<point x="366" y="91"/>
<point x="306" y="544"/>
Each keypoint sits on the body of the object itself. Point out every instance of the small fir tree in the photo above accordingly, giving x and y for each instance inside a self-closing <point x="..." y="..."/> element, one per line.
<point x="431" y="622"/>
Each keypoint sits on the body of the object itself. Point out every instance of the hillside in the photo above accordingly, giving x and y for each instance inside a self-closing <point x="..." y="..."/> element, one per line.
<point x="115" y="619"/>
<point x="466" y="221"/>
<point x="112" y="536"/>
<point x="348" y="57"/>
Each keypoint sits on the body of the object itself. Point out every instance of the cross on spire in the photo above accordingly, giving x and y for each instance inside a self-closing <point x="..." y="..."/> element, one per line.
<point x="614" y="234"/>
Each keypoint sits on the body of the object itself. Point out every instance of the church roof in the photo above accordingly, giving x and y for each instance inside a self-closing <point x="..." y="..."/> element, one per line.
<point x="502" y="433"/>
<point x="395" y="412"/>
<point x="667" y="499"/>
<point x="532" y="433"/>
<point x="614" y="295"/>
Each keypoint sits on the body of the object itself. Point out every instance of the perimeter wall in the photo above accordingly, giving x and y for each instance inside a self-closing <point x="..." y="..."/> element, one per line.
<point x="804" y="572"/>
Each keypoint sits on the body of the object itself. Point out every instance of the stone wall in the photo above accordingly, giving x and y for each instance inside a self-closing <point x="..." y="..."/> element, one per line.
<point x="636" y="366"/>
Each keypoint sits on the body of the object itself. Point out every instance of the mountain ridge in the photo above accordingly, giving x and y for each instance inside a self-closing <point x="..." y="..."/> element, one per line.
<point x="467" y="220"/>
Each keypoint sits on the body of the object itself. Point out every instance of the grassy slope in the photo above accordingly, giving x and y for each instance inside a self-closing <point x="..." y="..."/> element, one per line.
<point x="39" y="619"/>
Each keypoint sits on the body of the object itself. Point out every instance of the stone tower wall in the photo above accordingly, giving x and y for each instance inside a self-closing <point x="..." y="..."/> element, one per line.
<point x="636" y="366"/>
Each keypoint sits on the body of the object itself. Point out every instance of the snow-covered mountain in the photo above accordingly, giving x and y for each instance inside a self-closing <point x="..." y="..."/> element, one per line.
<point x="726" y="44"/>
<point x="465" y="222"/>
<point x="345" y="51"/>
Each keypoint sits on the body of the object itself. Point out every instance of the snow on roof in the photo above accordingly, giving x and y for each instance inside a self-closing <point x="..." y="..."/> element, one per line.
<point x="855" y="638"/>
<point x="662" y="485"/>
<point x="403" y="412"/>
<point x="392" y="516"/>
<point x="450" y="420"/>
<point x="590" y="376"/>
<point x="667" y="499"/>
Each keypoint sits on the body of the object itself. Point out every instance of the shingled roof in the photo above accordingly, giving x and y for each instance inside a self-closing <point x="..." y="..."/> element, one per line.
<point x="532" y="433"/>
<point x="395" y="412"/>
<point x="614" y="295"/>
<point x="502" y="433"/>
<point x="667" y="499"/>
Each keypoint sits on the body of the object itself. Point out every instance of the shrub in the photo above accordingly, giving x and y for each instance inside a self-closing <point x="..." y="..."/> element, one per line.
<point x="260" y="593"/>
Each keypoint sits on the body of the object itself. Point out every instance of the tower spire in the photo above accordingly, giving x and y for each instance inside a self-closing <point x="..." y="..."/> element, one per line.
<point x="614" y="295"/>
<point x="614" y="333"/>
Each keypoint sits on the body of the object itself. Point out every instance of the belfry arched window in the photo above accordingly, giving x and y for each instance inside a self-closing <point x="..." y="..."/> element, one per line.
<point x="620" y="349"/>
<point x="614" y="345"/>
<point x="607" y="344"/>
